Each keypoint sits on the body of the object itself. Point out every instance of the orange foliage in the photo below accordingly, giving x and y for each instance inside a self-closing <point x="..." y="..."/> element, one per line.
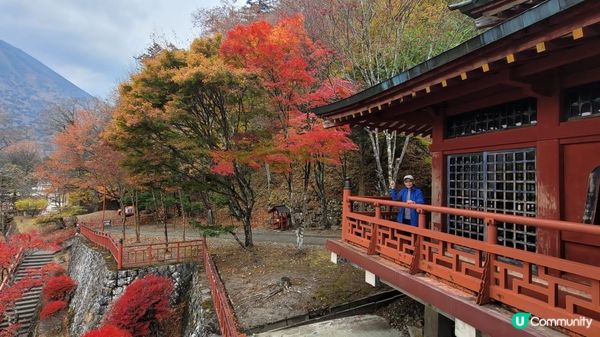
<point x="82" y="159"/>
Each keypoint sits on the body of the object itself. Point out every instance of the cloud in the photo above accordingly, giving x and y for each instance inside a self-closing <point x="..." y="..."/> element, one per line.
<point x="93" y="43"/>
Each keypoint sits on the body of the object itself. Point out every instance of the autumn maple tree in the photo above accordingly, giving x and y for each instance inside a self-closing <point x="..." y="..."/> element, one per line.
<point x="295" y="73"/>
<point x="187" y="115"/>
<point x="83" y="160"/>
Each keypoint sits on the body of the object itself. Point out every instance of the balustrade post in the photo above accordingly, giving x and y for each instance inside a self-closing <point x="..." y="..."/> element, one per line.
<point x="346" y="206"/>
<point x="120" y="255"/>
<point x="178" y="251"/>
<point x="374" y="229"/>
<point x="422" y="218"/>
<point x="483" y="296"/>
<point x="414" y="264"/>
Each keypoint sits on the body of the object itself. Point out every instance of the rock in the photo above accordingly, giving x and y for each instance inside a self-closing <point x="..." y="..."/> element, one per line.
<point x="124" y="281"/>
<point x="415" y="331"/>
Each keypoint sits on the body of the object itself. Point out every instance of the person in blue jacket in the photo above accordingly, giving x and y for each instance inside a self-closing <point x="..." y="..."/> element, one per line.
<point x="410" y="194"/>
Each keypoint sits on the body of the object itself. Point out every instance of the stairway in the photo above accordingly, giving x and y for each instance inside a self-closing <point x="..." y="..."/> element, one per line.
<point x="27" y="307"/>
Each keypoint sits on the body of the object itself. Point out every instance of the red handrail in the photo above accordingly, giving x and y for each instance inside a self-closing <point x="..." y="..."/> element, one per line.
<point x="12" y="268"/>
<point x="546" y="286"/>
<point x="223" y="308"/>
<point x="173" y="252"/>
<point x="106" y="241"/>
<point x="147" y="254"/>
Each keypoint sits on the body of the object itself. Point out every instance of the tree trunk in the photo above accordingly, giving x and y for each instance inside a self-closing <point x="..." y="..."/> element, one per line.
<point x="247" y="229"/>
<point x="156" y="217"/>
<point x="122" y="205"/>
<point x="302" y="224"/>
<point x="381" y="183"/>
<point x="209" y="211"/>
<point x="268" y="172"/>
<point x="136" y="222"/>
<point x="401" y="158"/>
<point x="163" y="219"/>
<point x="320" y="183"/>
<point x="182" y="212"/>
<point x="290" y="202"/>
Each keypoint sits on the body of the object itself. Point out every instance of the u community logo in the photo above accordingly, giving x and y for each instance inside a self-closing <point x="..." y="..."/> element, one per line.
<point x="521" y="320"/>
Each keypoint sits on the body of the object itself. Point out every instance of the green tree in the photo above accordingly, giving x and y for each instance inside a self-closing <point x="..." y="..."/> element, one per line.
<point x="31" y="206"/>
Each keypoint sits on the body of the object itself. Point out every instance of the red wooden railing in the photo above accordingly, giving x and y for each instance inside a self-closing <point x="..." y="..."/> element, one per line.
<point x="223" y="308"/>
<point x="544" y="285"/>
<point x="106" y="241"/>
<point x="174" y="252"/>
<point x="12" y="268"/>
<point x="139" y="255"/>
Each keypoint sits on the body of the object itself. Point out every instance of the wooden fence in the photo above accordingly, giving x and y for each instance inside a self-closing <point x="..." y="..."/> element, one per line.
<point x="546" y="286"/>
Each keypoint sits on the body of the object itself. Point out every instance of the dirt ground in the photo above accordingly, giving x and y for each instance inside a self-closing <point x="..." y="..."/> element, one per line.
<point x="252" y="278"/>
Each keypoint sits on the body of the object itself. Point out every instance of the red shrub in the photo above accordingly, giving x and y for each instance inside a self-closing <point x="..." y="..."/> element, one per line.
<point x="107" y="331"/>
<point x="144" y="301"/>
<point x="53" y="269"/>
<point x="52" y="308"/>
<point x="58" y="288"/>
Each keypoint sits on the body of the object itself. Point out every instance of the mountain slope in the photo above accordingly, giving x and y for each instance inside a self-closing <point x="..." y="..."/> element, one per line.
<point x="27" y="87"/>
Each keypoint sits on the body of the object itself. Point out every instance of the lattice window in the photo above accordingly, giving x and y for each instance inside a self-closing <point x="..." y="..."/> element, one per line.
<point x="583" y="101"/>
<point x="506" y="116"/>
<point x="500" y="182"/>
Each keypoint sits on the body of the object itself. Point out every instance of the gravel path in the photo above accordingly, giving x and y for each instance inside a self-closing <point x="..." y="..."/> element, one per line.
<point x="311" y="237"/>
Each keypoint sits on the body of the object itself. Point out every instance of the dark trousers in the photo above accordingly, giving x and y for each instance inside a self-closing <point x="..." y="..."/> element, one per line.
<point x="406" y="221"/>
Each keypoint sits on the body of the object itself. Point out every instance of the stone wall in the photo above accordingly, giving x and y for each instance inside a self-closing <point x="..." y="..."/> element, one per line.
<point x="201" y="318"/>
<point x="98" y="286"/>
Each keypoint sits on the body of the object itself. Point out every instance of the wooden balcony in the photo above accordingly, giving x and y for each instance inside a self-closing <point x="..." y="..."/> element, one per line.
<point x="478" y="282"/>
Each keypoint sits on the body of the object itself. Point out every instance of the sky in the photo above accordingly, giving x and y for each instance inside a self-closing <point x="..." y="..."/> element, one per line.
<point x="92" y="43"/>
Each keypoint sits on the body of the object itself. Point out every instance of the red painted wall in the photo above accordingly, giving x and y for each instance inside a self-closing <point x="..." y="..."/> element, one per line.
<point x="578" y="161"/>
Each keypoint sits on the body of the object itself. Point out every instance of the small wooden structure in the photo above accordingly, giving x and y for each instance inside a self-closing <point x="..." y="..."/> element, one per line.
<point x="129" y="211"/>
<point x="280" y="217"/>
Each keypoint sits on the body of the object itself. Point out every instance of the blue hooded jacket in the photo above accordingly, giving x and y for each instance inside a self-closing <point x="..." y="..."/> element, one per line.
<point x="416" y="195"/>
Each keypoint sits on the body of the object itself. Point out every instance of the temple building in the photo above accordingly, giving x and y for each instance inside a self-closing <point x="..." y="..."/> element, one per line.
<point x="512" y="224"/>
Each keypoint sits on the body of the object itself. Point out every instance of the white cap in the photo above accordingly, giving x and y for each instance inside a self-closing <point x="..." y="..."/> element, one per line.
<point x="408" y="176"/>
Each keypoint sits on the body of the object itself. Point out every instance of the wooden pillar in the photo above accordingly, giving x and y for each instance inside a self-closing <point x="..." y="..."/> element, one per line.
<point x="548" y="174"/>
<point x="438" y="179"/>
<point x="438" y="171"/>
<point x="346" y="206"/>
<point x="436" y="324"/>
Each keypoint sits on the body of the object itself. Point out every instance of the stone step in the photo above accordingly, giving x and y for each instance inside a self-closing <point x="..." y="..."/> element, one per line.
<point x="28" y="300"/>
<point x="33" y="264"/>
<point x="30" y="295"/>
<point x="22" y="276"/>
<point x="26" y="307"/>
